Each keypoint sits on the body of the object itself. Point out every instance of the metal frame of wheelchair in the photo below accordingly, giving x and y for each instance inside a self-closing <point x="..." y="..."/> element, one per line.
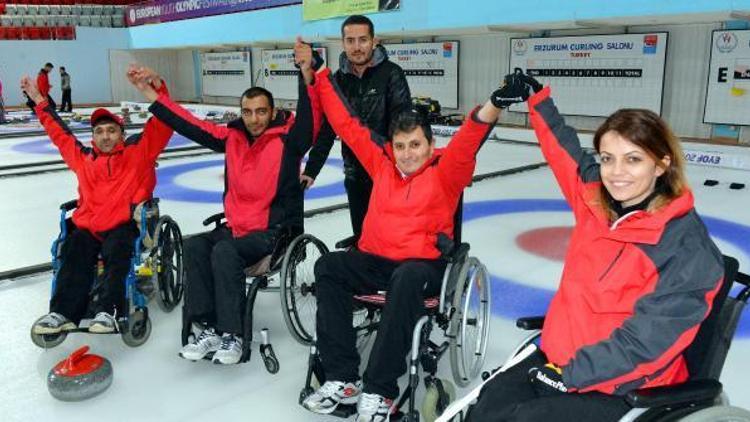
<point x="154" y="271"/>
<point x="284" y="261"/>
<point x="465" y="285"/>
<point x="701" y="398"/>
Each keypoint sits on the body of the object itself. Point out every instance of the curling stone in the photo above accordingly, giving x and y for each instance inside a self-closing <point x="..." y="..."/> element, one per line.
<point x="80" y="376"/>
<point x="143" y="114"/>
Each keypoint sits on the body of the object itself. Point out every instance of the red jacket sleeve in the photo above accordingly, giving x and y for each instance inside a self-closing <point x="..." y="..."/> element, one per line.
<point x="71" y="149"/>
<point x="561" y="147"/>
<point x="156" y="134"/>
<point x="346" y="123"/>
<point x="456" y="165"/>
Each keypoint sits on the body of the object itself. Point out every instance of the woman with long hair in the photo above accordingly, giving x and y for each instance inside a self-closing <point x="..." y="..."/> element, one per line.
<point x="640" y="273"/>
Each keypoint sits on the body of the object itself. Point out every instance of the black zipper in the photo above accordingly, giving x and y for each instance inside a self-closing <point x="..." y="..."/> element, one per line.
<point x="612" y="264"/>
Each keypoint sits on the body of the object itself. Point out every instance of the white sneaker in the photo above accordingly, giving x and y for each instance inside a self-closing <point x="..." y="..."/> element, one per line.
<point x="207" y="342"/>
<point x="230" y="350"/>
<point x="103" y="323"/>
<point x="331" y="394"/>
<point x="52" y="323"/>
<point x="373" y="408"/>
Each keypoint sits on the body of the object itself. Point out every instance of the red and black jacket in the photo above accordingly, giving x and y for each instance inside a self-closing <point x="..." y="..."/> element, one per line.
<point x="108" y="184"/>
<point x="633" y="292"/>
<point x="261" y="178"/>
<point x="405" y="214"/>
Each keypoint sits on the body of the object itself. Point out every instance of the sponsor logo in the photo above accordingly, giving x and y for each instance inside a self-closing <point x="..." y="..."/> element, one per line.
<point x="520" y="47"/>
<point x="650" y="42"/>
<point x="447" y="49"/>
<point x="132" y="15"/>
<point x="726" y="42"/>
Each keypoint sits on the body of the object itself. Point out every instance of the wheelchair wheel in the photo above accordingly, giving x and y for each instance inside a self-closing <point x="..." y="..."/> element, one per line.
<point x="297" y="291"/>
<point x="470" y="323"/>
<point x="167" y="263"/>
<point x="47" y="341"/>
<point x="439" y="394"/>
<point x="139" y="329"/>
<point x="719" y="414"/>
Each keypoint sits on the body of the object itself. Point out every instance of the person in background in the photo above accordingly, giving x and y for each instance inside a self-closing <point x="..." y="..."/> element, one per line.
<point x="43" y="87"/>
<point x="377" y="90"/>
<point x="66" y="103"/>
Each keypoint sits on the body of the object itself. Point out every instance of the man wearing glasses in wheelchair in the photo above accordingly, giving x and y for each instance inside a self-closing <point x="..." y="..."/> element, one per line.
<point x="114" y="174"/>
<point x="416" y="189"/>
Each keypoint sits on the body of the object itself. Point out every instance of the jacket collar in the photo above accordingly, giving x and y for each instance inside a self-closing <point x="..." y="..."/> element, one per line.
<point x="648" y="227"/>
<point x="379" y="55"/>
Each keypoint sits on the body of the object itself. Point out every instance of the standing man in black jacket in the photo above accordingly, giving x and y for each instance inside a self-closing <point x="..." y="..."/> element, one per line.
<point x="378" y="91"/>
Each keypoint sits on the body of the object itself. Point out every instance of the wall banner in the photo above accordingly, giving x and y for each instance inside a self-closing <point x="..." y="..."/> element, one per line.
<point x="595" y="75"/>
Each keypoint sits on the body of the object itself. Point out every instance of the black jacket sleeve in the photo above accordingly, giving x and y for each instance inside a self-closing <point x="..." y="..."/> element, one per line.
<point x="319" y="152"/>
<point x="306" y="120"/>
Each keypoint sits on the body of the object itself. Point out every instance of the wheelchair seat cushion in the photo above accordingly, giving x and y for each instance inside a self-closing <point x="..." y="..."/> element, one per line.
<point x="379" y="300"/>
<point x="259" y="268"/>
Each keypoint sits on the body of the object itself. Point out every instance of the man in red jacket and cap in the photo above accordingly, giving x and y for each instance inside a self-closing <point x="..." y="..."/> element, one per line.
<point x="111" y="175"/>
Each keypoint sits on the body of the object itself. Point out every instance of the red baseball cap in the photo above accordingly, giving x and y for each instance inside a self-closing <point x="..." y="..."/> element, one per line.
<point x="101" y="113"/>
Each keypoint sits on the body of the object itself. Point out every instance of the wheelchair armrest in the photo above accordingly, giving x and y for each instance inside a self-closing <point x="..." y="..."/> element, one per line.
<point x="346" y="243"/>
<point x="216" y="218"/>
<point x="530" y="323"/>
<point x="689" y="392"/>
<point x="449" y="250"/>
<point x="67" y="206"/>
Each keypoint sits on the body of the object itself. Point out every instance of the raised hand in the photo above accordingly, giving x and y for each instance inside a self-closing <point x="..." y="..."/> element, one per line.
<point x="144" y="79"/>
<point x="513" y="90"/>
<point x="532" y="83"/>
<point x="303" y="53"/>
<point x="29" y="87"/>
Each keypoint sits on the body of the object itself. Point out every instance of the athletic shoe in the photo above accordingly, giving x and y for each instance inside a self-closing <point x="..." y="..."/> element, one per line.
<point x="230" y="350"/>
<point x="331" y="394"/>
<point x="207" y="342"/>
<point x="52" y="323"/>
<point x="103" y="323"/>
<point x="373" y="408"/>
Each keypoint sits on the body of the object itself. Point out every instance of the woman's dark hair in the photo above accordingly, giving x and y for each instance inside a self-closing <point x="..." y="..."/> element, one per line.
<point x="647" y="130"/>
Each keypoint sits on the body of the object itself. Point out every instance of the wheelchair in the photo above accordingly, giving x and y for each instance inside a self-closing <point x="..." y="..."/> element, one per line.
<point x="155" y="270"/>
<point x="462" y="311"/>
<point x="285" y="262"/>
<point x="700" y="398"/>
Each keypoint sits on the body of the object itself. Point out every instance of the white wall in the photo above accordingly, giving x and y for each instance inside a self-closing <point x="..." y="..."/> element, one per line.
<point x="175" y="66"/>
<point x="484" y="61"/>
<point x="85" y="58"/>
